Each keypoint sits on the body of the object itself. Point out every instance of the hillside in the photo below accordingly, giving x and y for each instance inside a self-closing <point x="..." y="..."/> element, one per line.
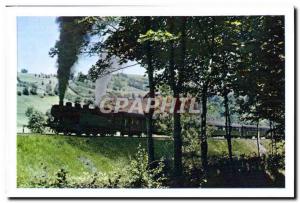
<point x="82" y="91"/>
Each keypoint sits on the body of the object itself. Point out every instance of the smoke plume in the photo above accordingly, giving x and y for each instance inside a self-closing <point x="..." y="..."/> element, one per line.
<point x="73" y="35"/>
<point x="103" y="79"/>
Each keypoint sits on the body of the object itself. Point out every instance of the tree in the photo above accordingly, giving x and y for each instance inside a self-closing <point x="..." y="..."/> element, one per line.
<point x="25" y="91"/>
<point x="81" y="77"/>
<point x="124" y="43"/>
<point x="262" y="56"/>
<point x="24" y="70"/>
<point x="36" y="120"/>
<point x="169" y="39"/>
<point x="177" y="89"/>
<point x="33" y="89"/>
<point x="227" y="62"/>
<point x="150" y="70"/>
<point x="202" y="57"/>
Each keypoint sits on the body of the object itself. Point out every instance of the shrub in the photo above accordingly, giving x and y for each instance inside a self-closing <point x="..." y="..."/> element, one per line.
<point x="19" y="93"/>
<point x="136" y="175"/>
<point x="33" y="89"/>
<point x="25" y="91"/>
<point x="36" y="120"/>
<point x="139" y="175"/>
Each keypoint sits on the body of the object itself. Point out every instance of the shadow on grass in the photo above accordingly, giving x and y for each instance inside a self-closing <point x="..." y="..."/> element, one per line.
<point x="245" y="172"/>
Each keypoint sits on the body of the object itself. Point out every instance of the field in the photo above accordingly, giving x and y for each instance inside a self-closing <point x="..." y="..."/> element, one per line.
<point x="40" y="154"/>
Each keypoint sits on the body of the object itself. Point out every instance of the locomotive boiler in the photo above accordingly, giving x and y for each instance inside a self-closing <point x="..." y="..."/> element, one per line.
<point x="69" y="119"/>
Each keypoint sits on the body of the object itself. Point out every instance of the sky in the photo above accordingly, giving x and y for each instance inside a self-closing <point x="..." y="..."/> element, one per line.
<point x="36" y="35"/>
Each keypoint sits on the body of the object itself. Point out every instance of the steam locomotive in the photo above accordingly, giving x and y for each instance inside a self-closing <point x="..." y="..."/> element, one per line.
<point x="79" y="120"/>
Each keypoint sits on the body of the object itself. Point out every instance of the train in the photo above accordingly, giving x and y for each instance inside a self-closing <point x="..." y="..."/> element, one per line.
<point x="238" y="130"/>
<point x="82" y="120"/>
<point x="74" y="119"/>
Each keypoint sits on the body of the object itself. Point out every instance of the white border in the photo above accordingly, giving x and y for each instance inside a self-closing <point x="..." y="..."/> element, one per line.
<point x="198" y="10"/>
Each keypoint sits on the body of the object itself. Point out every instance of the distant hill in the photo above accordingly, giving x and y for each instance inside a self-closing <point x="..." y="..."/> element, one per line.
<point x="82" y="91"/>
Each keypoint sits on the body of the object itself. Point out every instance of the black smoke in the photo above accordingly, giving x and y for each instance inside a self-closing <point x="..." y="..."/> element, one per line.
<point x="73" y="36"/>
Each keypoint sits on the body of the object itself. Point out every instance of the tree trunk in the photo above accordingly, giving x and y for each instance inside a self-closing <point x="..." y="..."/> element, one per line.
<point x="176" y="90"/>
<point x="272" y="142"/>
<point x="149" y="119"/>
<point x="203" y="137"/>
<point x="177" y="144"/>
<point x="228" y="126"/>
<point x="257" y="138"/>
<point x="176" y="87"/>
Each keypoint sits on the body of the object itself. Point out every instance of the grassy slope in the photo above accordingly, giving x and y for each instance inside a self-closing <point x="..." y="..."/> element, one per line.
<point x="78" y="154"/>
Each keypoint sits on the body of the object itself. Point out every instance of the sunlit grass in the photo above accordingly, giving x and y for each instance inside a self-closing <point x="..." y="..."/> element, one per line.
<point x="37" y="154"/>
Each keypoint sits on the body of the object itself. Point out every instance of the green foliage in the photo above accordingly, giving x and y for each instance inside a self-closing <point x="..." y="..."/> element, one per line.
<point x="81" y="77"/>
<point x="99" y="69"/>
<point x="164" y="124"/>
<point x="275" y="163"/>
<point x="140" y="175"/>
<point x="61" y="180"/>
<point x="36" y="120"/>
<point x="25" y="91"/>
<point x="157" y="36"/>
<point x="33" y="89"/>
